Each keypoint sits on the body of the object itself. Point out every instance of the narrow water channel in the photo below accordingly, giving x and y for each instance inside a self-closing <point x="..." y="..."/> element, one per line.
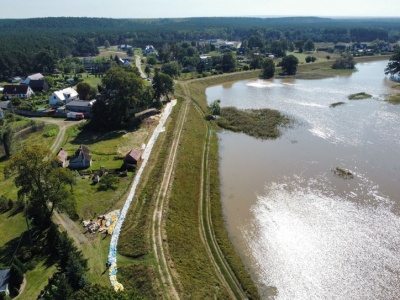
<point x="303" y="232"/>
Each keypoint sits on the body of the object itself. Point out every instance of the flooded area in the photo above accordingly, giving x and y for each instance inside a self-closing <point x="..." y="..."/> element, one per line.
<point x="304" y="232"/>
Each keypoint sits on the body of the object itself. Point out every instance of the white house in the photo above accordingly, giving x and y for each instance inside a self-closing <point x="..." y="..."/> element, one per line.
<point x="62" y="97"/>
<point x="36" y="76"/>
<point x="149" y="49"/>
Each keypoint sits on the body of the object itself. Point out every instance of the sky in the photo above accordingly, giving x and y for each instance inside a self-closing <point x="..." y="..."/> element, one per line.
<point x="196" y="8"/>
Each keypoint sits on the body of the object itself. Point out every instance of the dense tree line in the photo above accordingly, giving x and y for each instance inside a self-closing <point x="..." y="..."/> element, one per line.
<point x="34" y="45"/>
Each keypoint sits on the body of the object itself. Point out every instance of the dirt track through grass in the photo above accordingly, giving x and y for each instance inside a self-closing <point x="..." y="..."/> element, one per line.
<point x="221" y="266"/>
<point x="168" y="278"/>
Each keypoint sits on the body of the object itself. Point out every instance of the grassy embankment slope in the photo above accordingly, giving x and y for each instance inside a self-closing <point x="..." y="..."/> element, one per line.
<point x="140" y="269"/>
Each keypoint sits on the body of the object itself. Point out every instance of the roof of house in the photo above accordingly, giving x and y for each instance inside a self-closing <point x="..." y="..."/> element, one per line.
<point x="84" y="152"/>
<point x="62" y="155"/>
<point x="133" y="154"/>
<point x="81" y="103"/>
<point x="15" y="89"/>
<point x="36" y="76"/>
<point x="62" y="94"/>
<point x="4" y="279"/>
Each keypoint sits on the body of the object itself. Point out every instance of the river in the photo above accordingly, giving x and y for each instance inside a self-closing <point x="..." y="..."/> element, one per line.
<point x="304" y="232"/>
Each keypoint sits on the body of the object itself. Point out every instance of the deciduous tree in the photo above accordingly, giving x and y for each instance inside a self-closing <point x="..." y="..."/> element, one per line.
<point x="163" y="85"/>
<point x="40" y="180"/>
<point x="345" y="61"/>
<point x="268" y="67"/>
<point x="289" y="64"/>
<point x="393" y="65"/>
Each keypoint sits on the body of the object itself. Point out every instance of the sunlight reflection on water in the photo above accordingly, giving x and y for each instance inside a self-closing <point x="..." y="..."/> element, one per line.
<point x="303" y="229"/>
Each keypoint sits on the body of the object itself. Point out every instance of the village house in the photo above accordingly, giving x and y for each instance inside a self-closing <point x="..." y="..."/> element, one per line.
<point x="80" y="106"/>
<point x="62" y="156"/>
<point x="82" y="159"/>
<point x="16" y="79"/>
<point x="124" y="47"/>
<point x="62" y="97"/>
<point x="36" y="76"/>
<point x="21" y="91"/>
<point x="149" y="49"/>
<point x="4" y="281"/>
<point x="38" y="85"/>
<point x="90" y="64"/>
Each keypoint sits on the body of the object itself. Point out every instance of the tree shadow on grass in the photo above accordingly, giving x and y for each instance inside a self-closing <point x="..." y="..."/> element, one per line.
<point x="8" y="250"/>
<point x="88" y="137"/>
<point x="30" y="248"/>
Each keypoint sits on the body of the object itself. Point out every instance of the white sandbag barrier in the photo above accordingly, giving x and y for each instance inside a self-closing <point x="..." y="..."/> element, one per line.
<point x="112" y="254"/>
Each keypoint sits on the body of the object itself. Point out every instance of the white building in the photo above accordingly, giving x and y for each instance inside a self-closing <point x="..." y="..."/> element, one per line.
<point x="63" y="97"/>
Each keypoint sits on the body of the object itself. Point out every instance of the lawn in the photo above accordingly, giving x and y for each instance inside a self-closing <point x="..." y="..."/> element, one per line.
<point x="91" y="79"/>
<point x="107" y="149"/>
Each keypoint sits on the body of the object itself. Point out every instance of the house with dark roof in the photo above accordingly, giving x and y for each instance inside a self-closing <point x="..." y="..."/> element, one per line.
<point x="82" y="159"/>
<point x="4" y="281"/>
<point x="38" y="85"/>
<point x="21" y="91"/>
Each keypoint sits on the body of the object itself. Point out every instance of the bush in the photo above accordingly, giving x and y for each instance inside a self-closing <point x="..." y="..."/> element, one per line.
<point x="50" y="133"/>
<point x="107" y="182"/>
<point x="5" y="204"/>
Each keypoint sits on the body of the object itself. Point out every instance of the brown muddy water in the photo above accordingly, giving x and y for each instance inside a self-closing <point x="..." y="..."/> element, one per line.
<point x="303" y="232"/>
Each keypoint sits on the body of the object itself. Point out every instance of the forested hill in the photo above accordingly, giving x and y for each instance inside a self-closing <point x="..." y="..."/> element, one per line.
<point x="26" y="43"/>
<point x="82" y="24"/>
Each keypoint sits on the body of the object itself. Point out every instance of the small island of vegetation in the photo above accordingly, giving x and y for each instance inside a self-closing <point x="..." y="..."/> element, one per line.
<point x="259" y="123"/>
<point x="393" y="99"/>
<point x="359" y="96"/>
<point x="336" y="104"/>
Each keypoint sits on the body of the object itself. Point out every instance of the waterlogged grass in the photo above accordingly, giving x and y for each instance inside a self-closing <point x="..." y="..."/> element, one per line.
<point x="359" y="96"/>
<point x="393" y="99"/>
<point x="218" y="222"/>
<point x="259" y="123"/>
<point x="186" y="247"/>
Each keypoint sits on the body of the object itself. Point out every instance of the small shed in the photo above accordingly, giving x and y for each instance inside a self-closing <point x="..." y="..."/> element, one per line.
<point x="4" y="281"/>
<point x="133" y="157"/>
